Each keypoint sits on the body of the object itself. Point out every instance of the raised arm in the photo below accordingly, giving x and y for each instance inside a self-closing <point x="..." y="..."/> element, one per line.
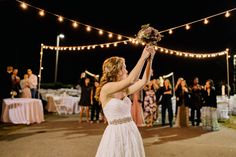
<point x="113" y="87"/>
<point x="145" y="79"/>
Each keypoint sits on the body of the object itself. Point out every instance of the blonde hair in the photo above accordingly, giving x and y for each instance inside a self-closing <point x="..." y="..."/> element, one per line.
<point x="110" y="69"/>
<point x="169" y="84"/>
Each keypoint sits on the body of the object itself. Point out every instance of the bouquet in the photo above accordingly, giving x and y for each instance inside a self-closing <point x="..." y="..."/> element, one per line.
<point x="148" y="35"/>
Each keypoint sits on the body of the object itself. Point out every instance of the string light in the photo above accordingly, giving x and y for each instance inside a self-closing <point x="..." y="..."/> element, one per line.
<point x="75" y="24"/>
<point x="119" y="37"/>
<point x="41" y="13"/>
<point x="60" y="19"/>
<point x="170" y="31"/>
<point x="23" y="5"/>
<point x="88" y="28"/>
<point x="100" y="32"/>
<point x="110" y="35"/>
<point x="227" y="14"/>
<point x="187" y="27"/>
<point x="206" y="21"/>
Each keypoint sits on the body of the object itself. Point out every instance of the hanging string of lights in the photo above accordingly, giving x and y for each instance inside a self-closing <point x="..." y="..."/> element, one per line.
<point x="158" y="48"/>
<point x="75" y="24"/>
<point x="183" y="53"/>
<point x="85" y="47"/>
<point x="190" y="54"/>
<point x="204" y="20"/>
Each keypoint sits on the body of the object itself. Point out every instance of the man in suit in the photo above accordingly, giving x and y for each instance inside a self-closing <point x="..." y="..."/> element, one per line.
<point x="5" y="85"/>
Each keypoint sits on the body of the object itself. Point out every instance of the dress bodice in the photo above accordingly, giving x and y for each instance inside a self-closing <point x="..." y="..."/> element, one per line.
<point x="117" y="108"/>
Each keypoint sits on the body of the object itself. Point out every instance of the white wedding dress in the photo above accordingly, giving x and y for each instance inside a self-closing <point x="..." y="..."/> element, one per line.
<point x="121" y="138"/>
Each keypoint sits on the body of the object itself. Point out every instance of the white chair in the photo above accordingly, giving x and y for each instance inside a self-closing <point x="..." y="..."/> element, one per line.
<point x="59" y="106"/>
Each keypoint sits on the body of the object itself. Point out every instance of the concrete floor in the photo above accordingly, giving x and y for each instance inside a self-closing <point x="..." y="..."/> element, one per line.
<point x="63" y="136"/>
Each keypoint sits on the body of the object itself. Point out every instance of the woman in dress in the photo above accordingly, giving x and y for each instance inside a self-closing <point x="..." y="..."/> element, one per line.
<point x="137" y="110"/>
<point x="122" y="138"/>
<point x="86" y="99"/>
<point x="182" y="101"/>
<point x="150" y="106"/>
<point x="209" y="114"/>
<point x="24" y="83"/>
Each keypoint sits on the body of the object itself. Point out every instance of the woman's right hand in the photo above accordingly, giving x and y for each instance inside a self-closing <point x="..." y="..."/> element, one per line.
<point x="148" y="50"/>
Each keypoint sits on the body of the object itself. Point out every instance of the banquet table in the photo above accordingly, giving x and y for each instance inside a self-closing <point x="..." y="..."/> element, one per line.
<point x="22" y="111"/>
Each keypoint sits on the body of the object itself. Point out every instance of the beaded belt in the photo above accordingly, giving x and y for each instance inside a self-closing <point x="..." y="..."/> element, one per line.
<point x="120" y="121"/>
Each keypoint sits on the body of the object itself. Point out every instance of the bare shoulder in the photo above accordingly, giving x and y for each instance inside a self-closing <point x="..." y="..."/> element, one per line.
<point x="104" y="95"/>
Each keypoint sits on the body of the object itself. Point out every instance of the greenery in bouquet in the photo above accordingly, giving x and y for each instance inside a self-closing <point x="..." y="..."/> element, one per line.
<point x="149" y="35"/>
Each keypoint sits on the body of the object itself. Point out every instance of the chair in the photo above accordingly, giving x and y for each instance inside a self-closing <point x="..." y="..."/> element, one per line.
<point x="56" y="106"/>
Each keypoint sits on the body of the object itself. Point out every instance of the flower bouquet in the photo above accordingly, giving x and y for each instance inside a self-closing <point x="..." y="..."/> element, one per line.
<point x="148" y="35"/>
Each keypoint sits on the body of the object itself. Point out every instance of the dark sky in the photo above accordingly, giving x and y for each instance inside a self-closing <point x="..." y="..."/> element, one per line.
<point x="22" y="32"/>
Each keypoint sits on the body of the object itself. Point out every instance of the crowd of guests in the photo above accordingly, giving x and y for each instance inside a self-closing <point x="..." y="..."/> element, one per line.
<point x="195" y="104"/>
<point x="12" y="85"/>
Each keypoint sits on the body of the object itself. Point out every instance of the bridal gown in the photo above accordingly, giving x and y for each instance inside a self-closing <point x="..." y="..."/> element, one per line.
<point x="121" y="137"/>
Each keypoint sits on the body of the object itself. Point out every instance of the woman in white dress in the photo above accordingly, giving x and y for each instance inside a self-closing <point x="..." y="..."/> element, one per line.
<point x="122" y="138"/>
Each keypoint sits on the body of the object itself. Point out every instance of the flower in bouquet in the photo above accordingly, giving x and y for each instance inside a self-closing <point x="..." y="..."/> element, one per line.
<point x="13" y="94"/>
<point x="148" y="35"/>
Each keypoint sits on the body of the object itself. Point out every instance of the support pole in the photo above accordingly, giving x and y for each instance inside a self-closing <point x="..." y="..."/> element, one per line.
<point x="40" y="70"/>
<point x="227" y="64"/>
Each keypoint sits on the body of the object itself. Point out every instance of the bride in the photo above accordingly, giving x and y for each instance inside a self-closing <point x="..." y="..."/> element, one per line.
<point x="121" y="138"/>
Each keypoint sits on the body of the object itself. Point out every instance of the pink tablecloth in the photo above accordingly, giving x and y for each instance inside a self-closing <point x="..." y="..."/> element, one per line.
<point x="22" y="111"/>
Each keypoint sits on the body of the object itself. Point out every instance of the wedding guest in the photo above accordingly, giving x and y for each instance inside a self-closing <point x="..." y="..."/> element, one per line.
<point x="177" y="87"/>
<point x="209" y="114"/>
<point x="95" y="105"/>
<point x="33" y="82"/>
<point x="150" y="106"/>
<point x="137" y="110"/>
<point x="16" y="82"/>
<point x="166" y="103"/>
<point x="5" y="85"/>
<point x="24" y="83"/>
<point x="157" y="88"/>
<point x="196" y="101"/>
<point x="6" y="82"/>
<point x="182" y="119"/>
<point x="86" y="99"/>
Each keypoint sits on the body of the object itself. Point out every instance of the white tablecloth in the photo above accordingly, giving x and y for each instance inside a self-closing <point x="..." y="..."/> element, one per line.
<point x="70" y="102"/>
<point x="22" y="111"/>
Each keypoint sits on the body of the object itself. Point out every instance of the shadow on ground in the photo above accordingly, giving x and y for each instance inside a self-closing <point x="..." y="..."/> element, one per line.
<point x="69" y="125"/>
<point x="167" y="134"/>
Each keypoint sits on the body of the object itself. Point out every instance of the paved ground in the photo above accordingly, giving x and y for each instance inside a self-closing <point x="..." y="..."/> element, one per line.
<point x="63" y="136"/>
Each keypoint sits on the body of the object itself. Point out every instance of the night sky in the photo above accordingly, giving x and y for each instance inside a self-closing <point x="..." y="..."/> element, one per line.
<point x="22" y="32"/>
